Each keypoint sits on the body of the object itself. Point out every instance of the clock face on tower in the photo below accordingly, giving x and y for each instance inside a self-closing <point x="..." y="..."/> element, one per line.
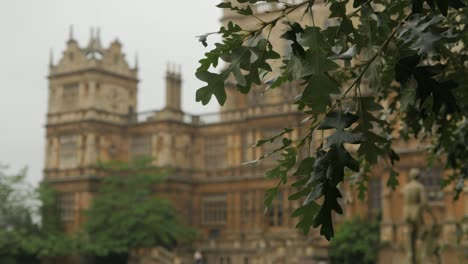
<point x="116" y="100"/>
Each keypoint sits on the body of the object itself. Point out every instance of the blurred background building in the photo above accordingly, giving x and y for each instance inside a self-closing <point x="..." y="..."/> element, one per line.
<point x="92" y="117"/>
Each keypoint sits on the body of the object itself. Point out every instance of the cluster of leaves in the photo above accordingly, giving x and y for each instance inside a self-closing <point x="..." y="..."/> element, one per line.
<point x="245" y="63"/>
<point x="364" y="246"/>
<point x="402" y="54"/>
<point x="23" y="239"/>
<point x="124" y="215"/>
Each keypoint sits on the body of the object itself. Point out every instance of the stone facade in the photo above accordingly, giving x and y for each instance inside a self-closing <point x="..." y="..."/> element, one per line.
<point x="91" y="117"/>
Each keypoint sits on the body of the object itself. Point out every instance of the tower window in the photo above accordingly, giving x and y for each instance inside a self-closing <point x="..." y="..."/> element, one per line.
<point x="431" y="179"/>
<point x="375" y="195"/>
<point x="214" y="210"/>
<point x="70" y="96"/>
<point x="215" y="152"/>
<point x="140" y="146"/>
<point x="247" y="208"/>
<point x="68" y="151"/>
<point x="276" y="211"/>
<point x="66" y="206"/>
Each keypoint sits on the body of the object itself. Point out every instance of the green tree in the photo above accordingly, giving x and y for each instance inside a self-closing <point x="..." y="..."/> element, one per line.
<point x="125" y="214"/>
<point x="356" y="241"/>
<point x="16" y="217"/>
<point x="385" y="66"/>
<point x="29" y="226"/>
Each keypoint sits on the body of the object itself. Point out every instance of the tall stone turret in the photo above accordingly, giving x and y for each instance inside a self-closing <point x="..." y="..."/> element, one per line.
<point x="173" y="87"/>
<point x="92" y="89"/>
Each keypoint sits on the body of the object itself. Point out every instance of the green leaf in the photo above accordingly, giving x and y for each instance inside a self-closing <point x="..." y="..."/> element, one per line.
<point x="270" y="194"/>
<point x="357" y="3"/>
<point x="215" y="86"/>
<point x="243" y="11"/>
<point x="239" y="76"/>
<point x="338" y="9"/>
<point x="323" y="217"/>
<point x="306" y="167"/>
<point x="315" y="193"/>
<point x="289" y="156"/>
<point x="224" y="5"/>
<point x="274" y="173"/>
<point x="291" y="34"/>
<point x="299" y="194"/>
<point x="443" y="5"/>
<point x="338" y="120"/>
<point x="294" y="67"/>
<point x="314" y="39"/>
<point x="346" y="27"/>
<point x="373" y="145"/>
<point x="317" y="91"/>
<point x="392" y="181"/>
<point x="307" y="213"/>
<point x="316" y="63"/>
<point x="272" y="139"/>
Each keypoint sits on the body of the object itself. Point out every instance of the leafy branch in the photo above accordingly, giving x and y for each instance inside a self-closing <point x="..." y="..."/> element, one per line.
<point x="414" y="69"/>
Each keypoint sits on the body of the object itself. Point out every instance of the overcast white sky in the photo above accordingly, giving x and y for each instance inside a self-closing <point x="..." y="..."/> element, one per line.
<point x="160" y="31"/>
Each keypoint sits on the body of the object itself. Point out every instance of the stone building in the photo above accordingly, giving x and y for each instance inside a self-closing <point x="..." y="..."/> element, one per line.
<point x="92" y="116"/>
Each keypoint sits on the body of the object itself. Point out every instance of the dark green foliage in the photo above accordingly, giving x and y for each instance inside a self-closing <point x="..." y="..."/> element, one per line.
<point x="356" y="241"/>
<point x="401" y="64"/>
<point x="442" y="5"/>
<point x="244" y="69"/>
<point x="22" y="238"/>
<point x="126" y="214"/>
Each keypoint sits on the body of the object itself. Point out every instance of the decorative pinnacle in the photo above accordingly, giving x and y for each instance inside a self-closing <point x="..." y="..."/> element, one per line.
<point x="173" y="70"/>
<point x="70" y="32"/>
<point x="136" y="61"/>
<point x="98" y="35"/>
<point x="51" y="58"/>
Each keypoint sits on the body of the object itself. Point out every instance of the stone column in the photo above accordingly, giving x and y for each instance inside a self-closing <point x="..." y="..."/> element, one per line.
<point x="250" y="140"/>
<point x="92" y="94"/>
<point x="82" y="95"/>
<point x="52" y="99"/>
<point x="90" y="150"/>
<point x="48" y="153"/>
<point x="81" y="147"/>
<point x="55" y="159"/>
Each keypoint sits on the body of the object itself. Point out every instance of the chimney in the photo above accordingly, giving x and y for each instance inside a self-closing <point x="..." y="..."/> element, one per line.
<point x="173" y="87"/>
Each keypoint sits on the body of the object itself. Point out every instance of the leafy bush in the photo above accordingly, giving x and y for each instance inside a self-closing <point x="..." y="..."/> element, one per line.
<point x="356" y="241"/>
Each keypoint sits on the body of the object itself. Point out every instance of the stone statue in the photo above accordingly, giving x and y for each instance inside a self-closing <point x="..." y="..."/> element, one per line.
<point x="431" y="249"/>
<point x="198" y="257"/>
<point x="414" y="204"/>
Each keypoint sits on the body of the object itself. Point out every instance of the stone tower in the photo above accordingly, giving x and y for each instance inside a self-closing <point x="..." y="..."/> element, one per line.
<point x="92" y="92"/>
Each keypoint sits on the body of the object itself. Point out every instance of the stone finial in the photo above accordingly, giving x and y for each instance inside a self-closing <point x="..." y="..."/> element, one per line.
<point x="173" y="70"/>
<point x="136" y="61"/>
<point x="173" y="86"/>
<point x="98" y="38"/>
<point x="70" y="32"/>
<point x="94" y="48"/>
<point x="51" y="58"/>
